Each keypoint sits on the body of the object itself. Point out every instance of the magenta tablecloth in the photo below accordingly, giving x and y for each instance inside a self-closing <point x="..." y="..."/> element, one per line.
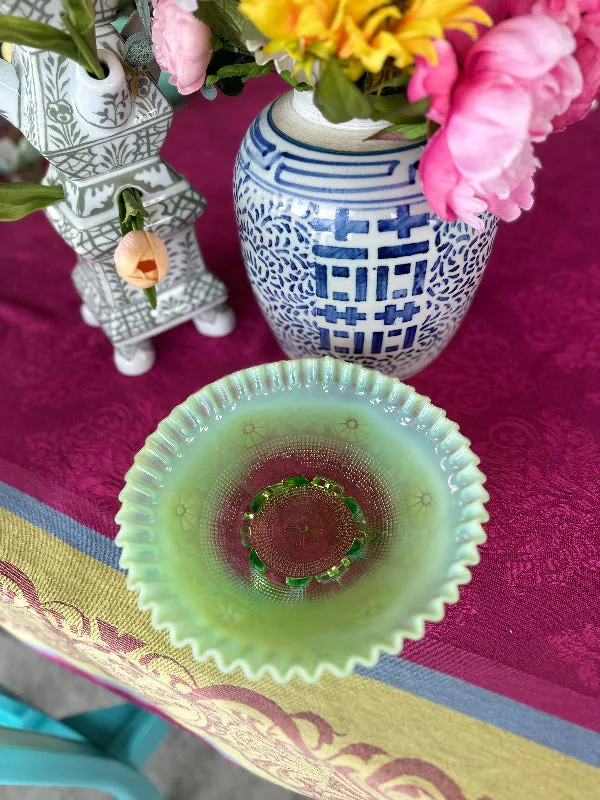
<point x="522" y="377"/>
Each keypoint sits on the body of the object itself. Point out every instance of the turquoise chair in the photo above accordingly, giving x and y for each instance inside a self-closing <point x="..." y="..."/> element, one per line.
<point x="102" y="750"/>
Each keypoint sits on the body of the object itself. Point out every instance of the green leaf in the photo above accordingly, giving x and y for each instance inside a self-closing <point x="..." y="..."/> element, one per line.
<point x="151" y="296"/>
<point x="224" y="18"/>
<point x="131" y="211"/>
<point x="215" y="43"/>
<point x="337" y="98"/>
<point x="78" y="18"/>
<point x="145" y="12"/>
<point x="249" y="69"/>
<point x="397" y="110"/>
<point x="416" y="131"/>
<point x="340" y="100"/>
<point x="37" y="34"/>
<point x="81" y="13"/>
<point x="250" y="31"/>
<point x="265" y="69"/>
<point x="223" y="58"/>
<point x="396" y="81"/>
<point x="19" y="199"/>
<point x="30" y="33"/>
<point x="299" y="86"/>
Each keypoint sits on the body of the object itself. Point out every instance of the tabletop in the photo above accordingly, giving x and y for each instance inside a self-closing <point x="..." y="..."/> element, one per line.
<point x="500" y="699"/>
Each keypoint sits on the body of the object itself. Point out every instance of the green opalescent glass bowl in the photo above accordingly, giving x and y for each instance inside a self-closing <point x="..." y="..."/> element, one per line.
<point x="405" y="466"/>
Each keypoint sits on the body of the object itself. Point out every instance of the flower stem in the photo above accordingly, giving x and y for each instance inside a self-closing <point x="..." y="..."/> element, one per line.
<point x="151" y="296"/>
<point x="89" y="57"/>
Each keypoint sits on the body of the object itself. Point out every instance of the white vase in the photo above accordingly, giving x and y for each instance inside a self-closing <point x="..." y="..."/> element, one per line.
<point x="343" y="252"/>
<point x="101" y="136"/>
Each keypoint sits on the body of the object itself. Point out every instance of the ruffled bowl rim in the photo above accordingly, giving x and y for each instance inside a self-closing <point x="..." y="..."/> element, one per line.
<point x="166" y="446"/>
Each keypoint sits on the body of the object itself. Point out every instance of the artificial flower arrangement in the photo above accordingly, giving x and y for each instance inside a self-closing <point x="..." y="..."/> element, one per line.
<point x="484" y="81"/>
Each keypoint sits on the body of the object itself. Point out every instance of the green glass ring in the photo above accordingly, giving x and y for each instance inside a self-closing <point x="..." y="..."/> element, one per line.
<point x="289" y="489"/>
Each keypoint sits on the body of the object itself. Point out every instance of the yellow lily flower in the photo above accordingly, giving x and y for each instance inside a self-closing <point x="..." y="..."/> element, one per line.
<point x="363" y="33"/>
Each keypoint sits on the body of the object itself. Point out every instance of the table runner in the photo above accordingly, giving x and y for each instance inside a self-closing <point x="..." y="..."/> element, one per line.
<point x="500" y="700"/>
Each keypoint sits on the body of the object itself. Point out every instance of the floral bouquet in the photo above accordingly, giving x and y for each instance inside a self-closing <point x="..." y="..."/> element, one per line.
<point x="484" y="81"/>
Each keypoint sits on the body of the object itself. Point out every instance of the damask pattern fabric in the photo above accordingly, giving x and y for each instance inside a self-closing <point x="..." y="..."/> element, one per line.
<point x="500" y="701"/>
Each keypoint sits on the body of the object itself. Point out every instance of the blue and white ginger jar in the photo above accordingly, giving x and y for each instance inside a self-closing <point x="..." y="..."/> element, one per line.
<point x="344" y="254"/>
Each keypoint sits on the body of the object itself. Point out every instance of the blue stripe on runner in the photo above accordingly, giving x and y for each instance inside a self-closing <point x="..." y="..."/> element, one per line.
<point x="64" y="528"/>
<point x="502" y="712"/>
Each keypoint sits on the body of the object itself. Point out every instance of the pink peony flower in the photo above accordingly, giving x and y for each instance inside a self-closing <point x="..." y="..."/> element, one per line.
<point x="516" y="79"/>
<point x="524" y="48"/>
<point x="582" y="17"/>
<point x="588" y="58"/>
<point x="436" y="82"/>
<point x="181" y="45"/>
<point x="462" y="42"/>
<point x="497" y="9"/>
<point x="512" y="189"/>
<point x="488" y="126"/>
<point x="567" y="12"/>
<point x="481" y="159"/>
<point x="447" y="191"/>
<point x="535" y="51"/>
<point x="590" y="21"/>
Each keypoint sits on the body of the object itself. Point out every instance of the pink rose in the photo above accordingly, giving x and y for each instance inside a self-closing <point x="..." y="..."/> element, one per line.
<point x="187" y="5"/>
<point x="488" y="126"/>
<point x="181" y="45"/>
<point x="517" y="77"/>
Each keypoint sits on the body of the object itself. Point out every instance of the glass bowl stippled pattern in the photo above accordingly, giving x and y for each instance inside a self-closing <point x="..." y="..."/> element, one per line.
<point x="369" y="477"/>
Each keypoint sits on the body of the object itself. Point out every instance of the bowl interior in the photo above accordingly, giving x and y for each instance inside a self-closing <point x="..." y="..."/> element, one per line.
<point x="386" y="458"/>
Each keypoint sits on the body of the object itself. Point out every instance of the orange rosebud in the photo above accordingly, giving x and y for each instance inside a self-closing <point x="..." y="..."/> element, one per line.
<point x="142" y="259"/>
